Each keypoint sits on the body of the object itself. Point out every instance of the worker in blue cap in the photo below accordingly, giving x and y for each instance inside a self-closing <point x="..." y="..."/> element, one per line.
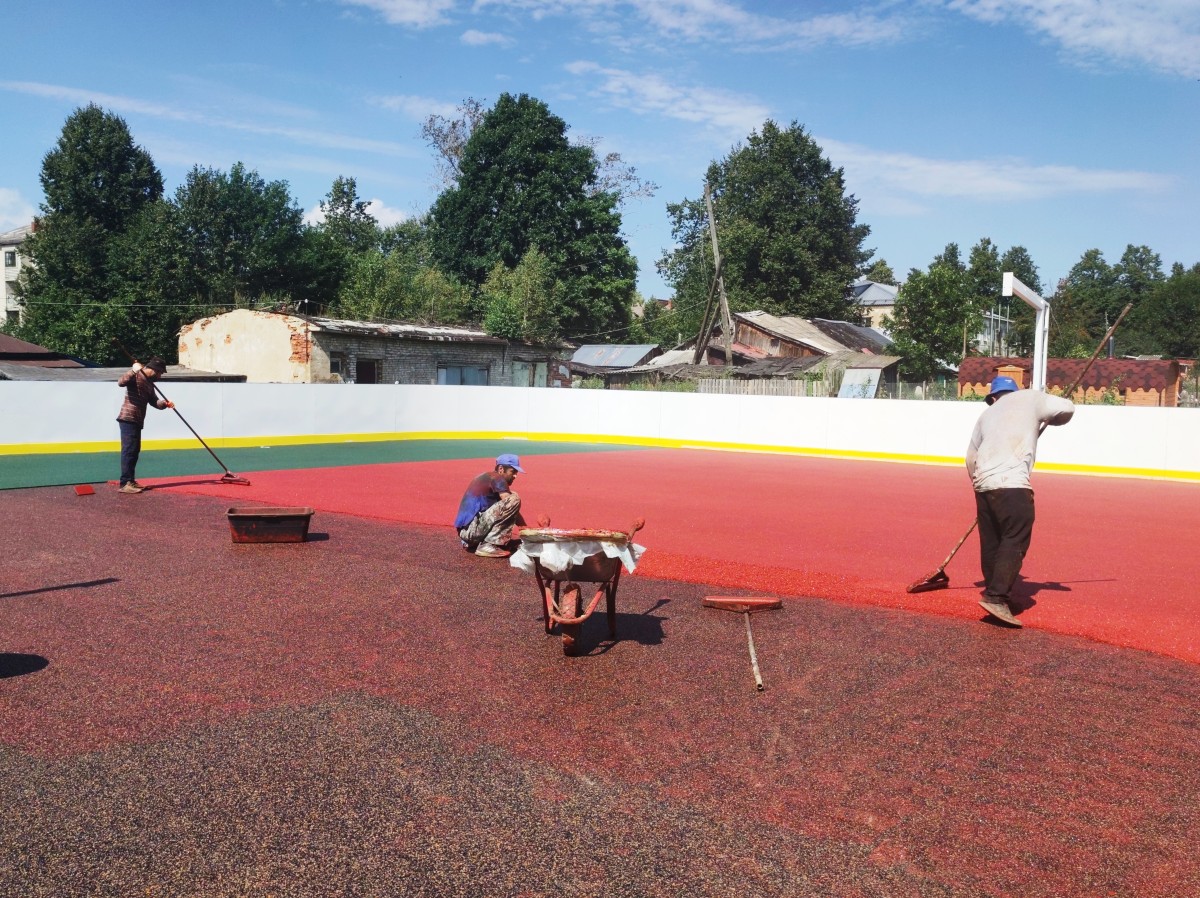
<point x="490" y="509"/>
<point x="999" y="459"/>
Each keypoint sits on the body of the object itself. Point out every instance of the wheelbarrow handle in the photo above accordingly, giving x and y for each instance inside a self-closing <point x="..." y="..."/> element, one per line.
<point x="638" y="524"/>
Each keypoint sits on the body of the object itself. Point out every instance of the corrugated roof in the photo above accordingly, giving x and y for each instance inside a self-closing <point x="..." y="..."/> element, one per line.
<point x="176" y="374"/>
<point x="614" y="355"/>
<point x="19" y="352"/>
<point x="16" y="235"/>
<point x="796" y="330"/>
<point x="402" y="331"/>
<point x="853" y="336"/>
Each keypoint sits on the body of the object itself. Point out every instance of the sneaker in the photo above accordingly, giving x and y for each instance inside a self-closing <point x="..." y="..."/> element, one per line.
<point x="1001" y="611"/>
<point x="138" y="485"/>
<point x="130" y="487"/>
<point x="486" y="551"/>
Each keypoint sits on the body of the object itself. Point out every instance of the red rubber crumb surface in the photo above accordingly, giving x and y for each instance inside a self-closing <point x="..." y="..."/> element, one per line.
<point x="1112" y="559"/>
<point x="376" y="712"/>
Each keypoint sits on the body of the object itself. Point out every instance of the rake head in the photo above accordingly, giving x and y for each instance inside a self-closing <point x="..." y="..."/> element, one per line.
<point x="748" y="604"/>
<point x="227" y="477"/>
<point x="937" y="580"/>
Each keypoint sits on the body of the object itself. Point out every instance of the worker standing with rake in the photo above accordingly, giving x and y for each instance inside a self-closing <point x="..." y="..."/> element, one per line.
<point x="999" y="459"/>
<point x="138" y="382"/>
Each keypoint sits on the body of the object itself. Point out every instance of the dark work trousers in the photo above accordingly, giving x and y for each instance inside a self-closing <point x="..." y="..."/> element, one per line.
<point x="1005" y="528"/>
<point x="131" y="448"/>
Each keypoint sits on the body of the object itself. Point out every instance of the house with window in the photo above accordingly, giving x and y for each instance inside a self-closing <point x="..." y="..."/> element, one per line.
<point x="278" y="347"/>
<point x="10" y="254"/>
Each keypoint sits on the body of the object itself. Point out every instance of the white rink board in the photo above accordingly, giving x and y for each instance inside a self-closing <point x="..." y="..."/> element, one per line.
<point x="46" y="416"/>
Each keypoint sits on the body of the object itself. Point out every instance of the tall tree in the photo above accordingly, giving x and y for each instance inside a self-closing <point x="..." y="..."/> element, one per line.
<point x="1171" y="314"/>
<point x="243" y="238"/>
<point x="880" y="272"/>
<point x="930" y="319"/>
<point x="97" y="183"/>
<point x="448" y="136"/>
<point x="346" y="218"/>
<point x="788" y="233"/>
<point x="984" y="280"/>
<point x="522" y="184"/>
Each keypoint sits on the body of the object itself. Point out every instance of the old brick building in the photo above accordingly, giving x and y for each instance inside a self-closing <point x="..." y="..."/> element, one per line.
<point x="271" y="347"/>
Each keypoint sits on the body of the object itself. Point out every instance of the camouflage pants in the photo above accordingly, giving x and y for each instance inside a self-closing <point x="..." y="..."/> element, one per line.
<point x="493" y="526"/>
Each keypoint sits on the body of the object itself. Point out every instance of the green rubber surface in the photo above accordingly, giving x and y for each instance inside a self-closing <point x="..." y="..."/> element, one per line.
<point x="20" y="471"/>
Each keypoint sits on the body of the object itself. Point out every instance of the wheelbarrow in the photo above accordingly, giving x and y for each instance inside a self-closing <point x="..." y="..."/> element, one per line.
<point x="563" y="559"/>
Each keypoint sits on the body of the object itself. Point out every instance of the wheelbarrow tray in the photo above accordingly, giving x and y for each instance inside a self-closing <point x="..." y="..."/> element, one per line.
<point x="269" y="525"/>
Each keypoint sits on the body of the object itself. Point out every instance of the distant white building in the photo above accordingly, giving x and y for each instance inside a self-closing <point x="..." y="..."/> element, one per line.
<point x="10" y="252"/>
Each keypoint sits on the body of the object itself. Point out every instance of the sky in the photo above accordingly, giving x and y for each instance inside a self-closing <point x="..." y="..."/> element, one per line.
<point x="1057" y="125"/>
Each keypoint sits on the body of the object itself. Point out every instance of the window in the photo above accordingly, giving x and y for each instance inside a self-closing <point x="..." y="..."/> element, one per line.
<point x="337" y="365"/>
<point x="368" y="371"/>
<point x="10" y="258"/>
<point x="472" y="375"/>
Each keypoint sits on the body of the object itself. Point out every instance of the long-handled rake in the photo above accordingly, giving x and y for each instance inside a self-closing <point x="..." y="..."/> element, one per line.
<point x="228" y="476"/>
<point x="939" y="579"/>
<point x="746" y="605"/>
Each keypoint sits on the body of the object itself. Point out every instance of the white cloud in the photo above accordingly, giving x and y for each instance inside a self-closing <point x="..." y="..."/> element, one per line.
<point x="651" y="94"/>
<point x="411" y="13"/>
<point x="726" y="22"/>
<point x="128" y="105"/>
<point x="1161" y="34"/>
<point x="473" y="38"/>
<point x="900" y="179"/>
<point x="384" y="214"/>
<point x="416" y="108"/>
<point x="15" y="210"/>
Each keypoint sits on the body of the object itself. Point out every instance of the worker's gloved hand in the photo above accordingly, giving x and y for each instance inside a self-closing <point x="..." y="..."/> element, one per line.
<point x="137" y="366"/>
<point x="170" y="404"/>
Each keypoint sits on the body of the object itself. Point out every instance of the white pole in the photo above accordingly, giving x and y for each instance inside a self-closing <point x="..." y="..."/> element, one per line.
<point x="1012" y="286"/>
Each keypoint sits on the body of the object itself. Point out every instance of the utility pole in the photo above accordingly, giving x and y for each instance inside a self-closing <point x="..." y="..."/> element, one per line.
<point x="726" y="318"/>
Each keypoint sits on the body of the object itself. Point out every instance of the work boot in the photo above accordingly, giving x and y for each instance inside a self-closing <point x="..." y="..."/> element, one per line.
<point x="130" y="488"/>
<point x="1001" y="611"/>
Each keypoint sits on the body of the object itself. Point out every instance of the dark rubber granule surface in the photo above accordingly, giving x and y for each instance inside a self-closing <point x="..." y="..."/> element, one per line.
<point x="376" y="712"/>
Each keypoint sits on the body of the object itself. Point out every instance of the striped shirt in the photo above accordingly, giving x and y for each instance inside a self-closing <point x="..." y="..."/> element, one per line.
<point x="138" y="393"/>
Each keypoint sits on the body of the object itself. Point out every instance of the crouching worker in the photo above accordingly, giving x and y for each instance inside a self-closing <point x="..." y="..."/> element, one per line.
<point x="1000" y="458"/>
<point x="489" y="510"/>
<point x="139" y="392"/>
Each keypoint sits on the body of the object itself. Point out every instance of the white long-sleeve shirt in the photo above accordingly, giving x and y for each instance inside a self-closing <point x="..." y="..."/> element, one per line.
<point x="1004" y="443"/>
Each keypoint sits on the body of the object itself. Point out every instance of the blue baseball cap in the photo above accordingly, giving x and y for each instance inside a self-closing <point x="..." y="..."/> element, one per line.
<point x="511" y="460"/>
<point x="1000" y="386"/>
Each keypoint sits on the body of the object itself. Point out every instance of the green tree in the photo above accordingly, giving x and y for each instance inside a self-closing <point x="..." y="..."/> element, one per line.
<point x="1139" y="275"/>
<point x="1171" y="314"/>
<point x="522" y="184"/>
<point x="448" y="136"/>
<point x="929" y="320"/>
<point x="520" y="302"/>
<point x="789" y="238"/>
<point x="243" y="238"/>
<point x="97" y="184"/>
<point x="398" y="282"/>
<point x="880" y="272"/>
<point x="346" y="219"/>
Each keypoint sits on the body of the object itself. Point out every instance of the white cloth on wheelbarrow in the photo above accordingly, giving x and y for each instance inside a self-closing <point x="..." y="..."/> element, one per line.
<point x="561" y="554"/>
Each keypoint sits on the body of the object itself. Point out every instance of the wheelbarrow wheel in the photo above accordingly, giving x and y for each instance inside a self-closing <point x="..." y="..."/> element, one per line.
<point x="570" y="605"/>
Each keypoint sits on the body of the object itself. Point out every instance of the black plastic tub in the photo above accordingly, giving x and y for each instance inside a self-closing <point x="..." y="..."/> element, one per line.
<point x="269" y="525"/>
